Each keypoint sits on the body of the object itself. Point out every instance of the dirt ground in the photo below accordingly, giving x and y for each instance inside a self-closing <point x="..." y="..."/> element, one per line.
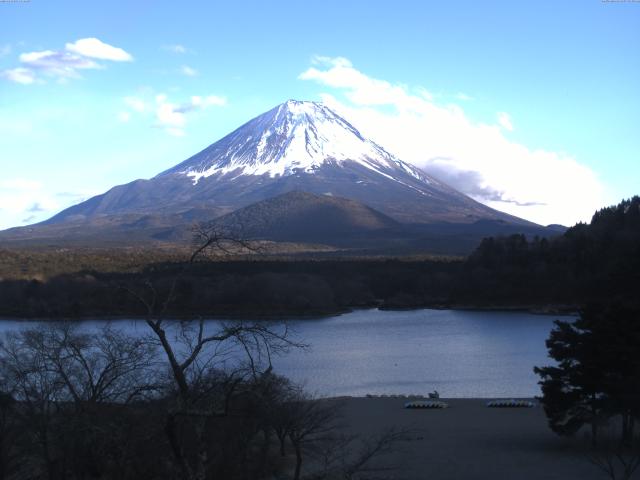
<point x="470" y="441"/>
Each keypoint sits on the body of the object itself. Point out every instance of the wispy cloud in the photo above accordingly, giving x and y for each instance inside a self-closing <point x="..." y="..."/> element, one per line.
<point x="56" y="64"/>
<point x="36" y="207"/>
<point x="188" y="71"/>
<point x="24" y="76"/>
<point x="504" y="119"/>
<point x="135" y="103"/>
<point x="175" y="48"/>
<point x="169" y="115"/>
<point x="5" y="50"/>
<point x="464" y="97"/>
<point x="172" y="116"/>
<point x="24" y="201"/>
<point x="124" y="117"/>
<point x="474" y="157"/>
<point x="64" y="64"/>
<point x="208" y="101"/>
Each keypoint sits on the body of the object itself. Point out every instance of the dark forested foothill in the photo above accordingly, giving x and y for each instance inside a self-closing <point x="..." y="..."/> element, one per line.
<point x="595" y="381"/>
<point x="596" y="262"/>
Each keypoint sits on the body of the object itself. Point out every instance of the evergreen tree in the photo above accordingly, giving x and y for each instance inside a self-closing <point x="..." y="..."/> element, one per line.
<point x="597" y="375"/>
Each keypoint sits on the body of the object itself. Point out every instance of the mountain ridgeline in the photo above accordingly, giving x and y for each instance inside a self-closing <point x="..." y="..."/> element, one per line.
<point x="297" y="173"/>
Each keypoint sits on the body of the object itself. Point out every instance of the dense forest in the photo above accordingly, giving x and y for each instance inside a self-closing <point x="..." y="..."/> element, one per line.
<point x="599" y="261"/>
<point x="589" y="263"/>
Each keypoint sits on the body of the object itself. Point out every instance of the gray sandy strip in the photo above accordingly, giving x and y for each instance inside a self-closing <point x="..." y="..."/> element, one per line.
<point x="470" y="441"/>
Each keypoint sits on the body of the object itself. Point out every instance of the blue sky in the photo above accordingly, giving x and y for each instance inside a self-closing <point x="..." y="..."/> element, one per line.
<point x="530" y="107"/>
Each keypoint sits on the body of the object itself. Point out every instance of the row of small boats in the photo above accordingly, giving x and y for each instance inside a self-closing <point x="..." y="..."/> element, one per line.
<point x="438" y="404"/>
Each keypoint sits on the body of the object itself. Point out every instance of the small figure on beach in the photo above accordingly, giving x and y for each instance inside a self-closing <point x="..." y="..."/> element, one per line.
<point x="435" y="394"/>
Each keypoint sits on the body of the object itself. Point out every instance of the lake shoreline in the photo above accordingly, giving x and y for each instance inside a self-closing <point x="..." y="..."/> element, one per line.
<point x="410" y="397"/>
<point x="319" y="315"/>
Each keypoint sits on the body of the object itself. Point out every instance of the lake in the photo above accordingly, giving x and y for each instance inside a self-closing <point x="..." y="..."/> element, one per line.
<point x="457" y="352"/>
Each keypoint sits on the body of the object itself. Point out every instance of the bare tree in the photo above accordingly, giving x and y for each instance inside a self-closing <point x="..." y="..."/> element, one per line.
<point x="311" y="421"/>
<point x="9" y="434"/>
<point x="39" y="393"/>
<point x="618" y="460"/>
<point x="193" y="351"/>
<point x="349" y="457"/>
<point x="64" y="381"/>
<point x="314" y="429"/>
<point x="102" y="366"/>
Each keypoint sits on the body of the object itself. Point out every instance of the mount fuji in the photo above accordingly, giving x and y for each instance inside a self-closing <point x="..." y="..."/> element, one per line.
<point x="298" y="146"/>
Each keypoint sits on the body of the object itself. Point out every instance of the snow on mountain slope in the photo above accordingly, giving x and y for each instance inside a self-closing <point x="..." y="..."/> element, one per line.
<point x="293" y="137"/>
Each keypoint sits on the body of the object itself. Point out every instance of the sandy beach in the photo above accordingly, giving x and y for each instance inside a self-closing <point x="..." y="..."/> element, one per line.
<point x="470" y="441"/>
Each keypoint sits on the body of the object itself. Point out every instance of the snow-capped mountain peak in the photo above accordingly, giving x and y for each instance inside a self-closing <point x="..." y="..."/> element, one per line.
<point x="297" y="146"/>
<point x="294" y="137"/>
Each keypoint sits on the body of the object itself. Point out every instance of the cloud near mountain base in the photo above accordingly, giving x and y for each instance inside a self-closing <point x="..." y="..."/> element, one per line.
<point x="474" y="157"/>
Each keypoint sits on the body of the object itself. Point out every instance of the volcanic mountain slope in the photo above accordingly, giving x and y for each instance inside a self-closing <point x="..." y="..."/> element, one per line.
<point x="305" y="217"/>
<point x="301" y="146"/>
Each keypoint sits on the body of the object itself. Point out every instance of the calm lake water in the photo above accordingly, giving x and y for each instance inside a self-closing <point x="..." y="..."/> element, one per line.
<point x="459" y="353"/>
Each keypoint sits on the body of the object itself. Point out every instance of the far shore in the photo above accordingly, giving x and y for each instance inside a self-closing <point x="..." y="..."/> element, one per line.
<point x="318" y="315"/>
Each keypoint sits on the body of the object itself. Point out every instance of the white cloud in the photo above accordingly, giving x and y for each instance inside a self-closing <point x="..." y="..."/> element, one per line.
<point x="539" y="185"/>
<point x="20" y="75"/>
<point x="188" y="71"/>
<point x="168" y="114"/>
<point x="504" y="119"/>
<point x="424" y="93"/>
<point x="173" y="116"/>
<point x="63" y="65"/>
<point x="94" y="48"/>
<point x="358" y="87"/>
